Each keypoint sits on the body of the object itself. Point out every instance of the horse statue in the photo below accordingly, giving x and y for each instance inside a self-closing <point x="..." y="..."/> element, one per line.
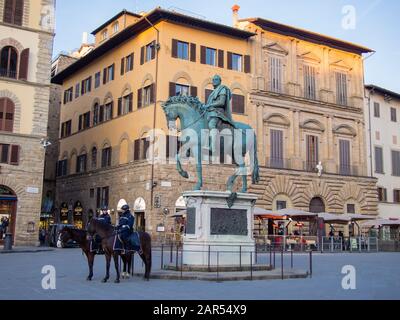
<point x="109" y="238"/>
<point x="192" y="115"/>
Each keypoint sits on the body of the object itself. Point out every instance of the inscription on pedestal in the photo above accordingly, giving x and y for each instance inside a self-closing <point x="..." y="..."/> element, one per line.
<point x="191" y="221"/>
<point x="228" y="222"/>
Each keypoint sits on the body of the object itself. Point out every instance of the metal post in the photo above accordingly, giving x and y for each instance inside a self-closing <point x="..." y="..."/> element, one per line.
<point x="322" y="244"/>
<point x="182" y="263"/>
<point x="270" y="255"/>
<point x="359" y="244"/>
<point x="177" y="257"/>
<point x="256" y="261"/>
<point x="282" y="263"/>
<point x="331" y="244"/>
<point x="209" y="258"/>
<point x="377" y="245"/>
<point x="291" y="259"/>
<point x="341" y="244"/>
<point x="162" y="256"/>
<point x="251" y="265"/>
<point x="311" y="268"/>
<point x="171" y="256"/>
<point x="369" y="245"/>
<point x="240" y="257"/>
<point x="274" y="258"/>
<point x="218" y="266"/>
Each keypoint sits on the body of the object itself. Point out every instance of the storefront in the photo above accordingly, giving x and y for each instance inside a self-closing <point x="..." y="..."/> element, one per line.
<point x="139" y="209"/>
<point x="78" y="215"/>
<point x="64" y="213"/>
<point x="8" y="210"/>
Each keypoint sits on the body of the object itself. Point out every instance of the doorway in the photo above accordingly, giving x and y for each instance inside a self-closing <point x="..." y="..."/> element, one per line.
<point x="8" y="211"/>
<point x="140" y="221"/>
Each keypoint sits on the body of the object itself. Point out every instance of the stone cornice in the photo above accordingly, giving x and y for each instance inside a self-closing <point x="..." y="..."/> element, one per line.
<point x="25" y="83"/>
<point x="13" y="26"/>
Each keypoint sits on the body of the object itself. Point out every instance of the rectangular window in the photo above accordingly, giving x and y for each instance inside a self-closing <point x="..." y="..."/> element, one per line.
<point x="97" y="79"/>
<point x="309" y="82"/>
<point x="379" y="160"/>
<point x="211" y="57"/>
<point x="96" y="114"/>
<point x="148" y="95"/>
<point x="125" y="104"/>
<point x="341" y="88"/>
<point x="4" y="156"/>
<point x="351" y="208"/>
<point x="86" y="85"/>
<point x="62" y="168"/>
<point x="396" y="163"/>
<point x="181" y="90"/>
<point x="81" y="163"/>
<point x="276" y="149"/>
<point x="150" y="51"/>
<point x="182" y="50"/>
<point x="344" y="156"/>
<point x="382" y="194"/>
<point x="396" y="196"/>
<point x="110" y="73"/>
<point x="66" y="129"/>
<point x="280" y="205"/>
<point x="91" y="193"/>
<point x="275" y="74"/>
<point x="68" y="95"/>
<point x="235" y="61"/>
<point x="77" y="90"/>
<point x="238" y="104"/>
<point x="13" y="12"/>
<point x="129" y="63"/>
<point x="106" y="157"/>
<point x="393" y="114"/>
<point x="105" y="196"/>
<point x="377" y="110"/>
<point x="108" y="111"/>
<point x="312" y="153"/>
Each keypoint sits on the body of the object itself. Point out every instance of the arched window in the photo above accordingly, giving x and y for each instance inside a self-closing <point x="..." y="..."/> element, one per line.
<point x="317" y="205"/>
<point x="81" y="163"/>
<point x="116" y="27"/>
<point x="13" y="11"/>
<point x="6" y="114"/>
<point x="9" y="62"/>
<point x="94" y="158"/>
<point x="106" y="157"/>
<point x="96" y="114"/>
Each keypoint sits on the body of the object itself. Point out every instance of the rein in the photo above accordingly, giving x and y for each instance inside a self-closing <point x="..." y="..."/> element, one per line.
<point x="194" y="122"/>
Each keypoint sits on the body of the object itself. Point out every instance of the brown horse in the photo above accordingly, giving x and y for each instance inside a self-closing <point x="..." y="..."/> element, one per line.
<point x="107" y="233"/>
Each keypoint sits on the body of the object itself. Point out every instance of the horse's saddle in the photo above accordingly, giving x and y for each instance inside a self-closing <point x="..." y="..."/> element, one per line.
<point x="132" y="243"/>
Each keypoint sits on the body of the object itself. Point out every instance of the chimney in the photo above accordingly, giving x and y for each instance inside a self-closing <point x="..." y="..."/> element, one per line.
<point x="85" y="38"/>
<point x="235" y="12"/>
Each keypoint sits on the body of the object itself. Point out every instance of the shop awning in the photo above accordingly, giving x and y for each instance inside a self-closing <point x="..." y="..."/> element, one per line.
<point x="359" y="217"/>
<point x="178" y="214"/>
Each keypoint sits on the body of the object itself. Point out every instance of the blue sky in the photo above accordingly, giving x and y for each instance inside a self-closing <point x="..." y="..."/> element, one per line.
<point x="377" y="23"/>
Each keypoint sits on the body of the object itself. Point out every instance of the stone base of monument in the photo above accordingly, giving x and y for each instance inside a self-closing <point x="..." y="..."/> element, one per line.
<point x="219" y="230"/>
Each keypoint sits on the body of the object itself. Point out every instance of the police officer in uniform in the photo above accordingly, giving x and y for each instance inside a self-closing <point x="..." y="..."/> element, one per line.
<point x="104" y="216"/>
<point x="125" y="226"/>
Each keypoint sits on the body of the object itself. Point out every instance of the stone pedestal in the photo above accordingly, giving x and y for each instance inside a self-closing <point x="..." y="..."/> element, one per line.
<point x="217" y="234"/>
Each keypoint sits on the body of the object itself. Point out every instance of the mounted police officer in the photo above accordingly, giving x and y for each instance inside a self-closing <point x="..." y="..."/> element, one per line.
<point x="125" y="226"/>
<point x="104" y="215"/>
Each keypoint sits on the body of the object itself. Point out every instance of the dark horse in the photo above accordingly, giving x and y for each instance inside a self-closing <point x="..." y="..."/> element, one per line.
<point x="107" y="233"/>
<point x="80" y="236"/>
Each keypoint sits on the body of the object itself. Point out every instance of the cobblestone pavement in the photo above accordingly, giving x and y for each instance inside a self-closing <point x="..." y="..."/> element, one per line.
<point x="21" y="277"/>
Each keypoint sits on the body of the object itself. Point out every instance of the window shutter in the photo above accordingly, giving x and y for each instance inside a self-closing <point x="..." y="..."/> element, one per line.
<point x="8" y="11"/>
<point x="14" y="159"/>
<point x="90" y="84"/>
<point x="378" y="160"/>
<point x="174" y="48"/>
<point x="105" y="76"/>
<point x="19" y="12"/>
<point x="152" y="96"/>
<point x="146" y="145"/>
<point x="153" y="50"/>
<point x="142" y="52"/>
<point x="221" y="58"/>
<point x="24" y="63"/>
<point x="122" y="66"/>
<point x="344" y="149"/>
<point x="8" y="115"/>
<point x="193" y="52"/>
<point x="136" y="155"/>
<point x="80" y="123"/>
<point x="247" y="64"/>
<point x="130" y="97"/>
<point x="83" y="87"/>
<point x="4" y="150"/>
<point x="113" y="71"/>
<point x="193" y="91"/>
<point x="238" y="103"/>
<point x="203" y="55"/>
<point x="229" y="60"/>
<point x="119" y="106"/>
<point x="172" y="89"/>
<point x="139" y="98"/>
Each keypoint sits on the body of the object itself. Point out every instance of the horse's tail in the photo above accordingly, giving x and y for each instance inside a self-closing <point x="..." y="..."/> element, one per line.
<point x="254" y="160"/>
<point x="182" y="172"/>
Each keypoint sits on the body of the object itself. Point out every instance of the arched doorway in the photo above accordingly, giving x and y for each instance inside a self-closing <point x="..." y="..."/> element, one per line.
<point x="8" y="210"/>
<point x="139" y="209"/>
<point x="317" y="205"/>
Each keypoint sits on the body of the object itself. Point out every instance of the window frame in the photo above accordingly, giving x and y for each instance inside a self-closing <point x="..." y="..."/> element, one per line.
<point x="208" y="57"/>
<point x="181" y="51"/>
<point x="7" y="72"/>
<point x="239" y="67"/>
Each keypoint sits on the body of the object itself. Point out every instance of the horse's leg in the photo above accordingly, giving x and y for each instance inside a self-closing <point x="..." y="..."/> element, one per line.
<point x="199" y="167"/>
<point x="108" y="261"/>
<point x="116" y="263"/>
<point x="90" y="256"/>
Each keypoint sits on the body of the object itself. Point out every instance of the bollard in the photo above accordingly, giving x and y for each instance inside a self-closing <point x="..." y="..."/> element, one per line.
<point x="162" y="256"/>
<point x="291" y="259"/>
<point x="274" y="258"/>
<point x="311" y="269"/>
<point x="177" y="257"/>
<point x="209" y="258"/>
<point x="182" y="263"/>
<point x="240" y="257"/>
<point x="218" y="266"/>
<point x="8" y="242"/>
<point x="256" y="258"/>
<point x="282" y="263"/>
<point x="171" y="255"/>
<point x="270" y="255"/>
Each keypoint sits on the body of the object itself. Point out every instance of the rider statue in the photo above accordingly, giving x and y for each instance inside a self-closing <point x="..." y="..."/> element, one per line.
<point x="125" y="226"/>
<point x="218" y="109"/>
